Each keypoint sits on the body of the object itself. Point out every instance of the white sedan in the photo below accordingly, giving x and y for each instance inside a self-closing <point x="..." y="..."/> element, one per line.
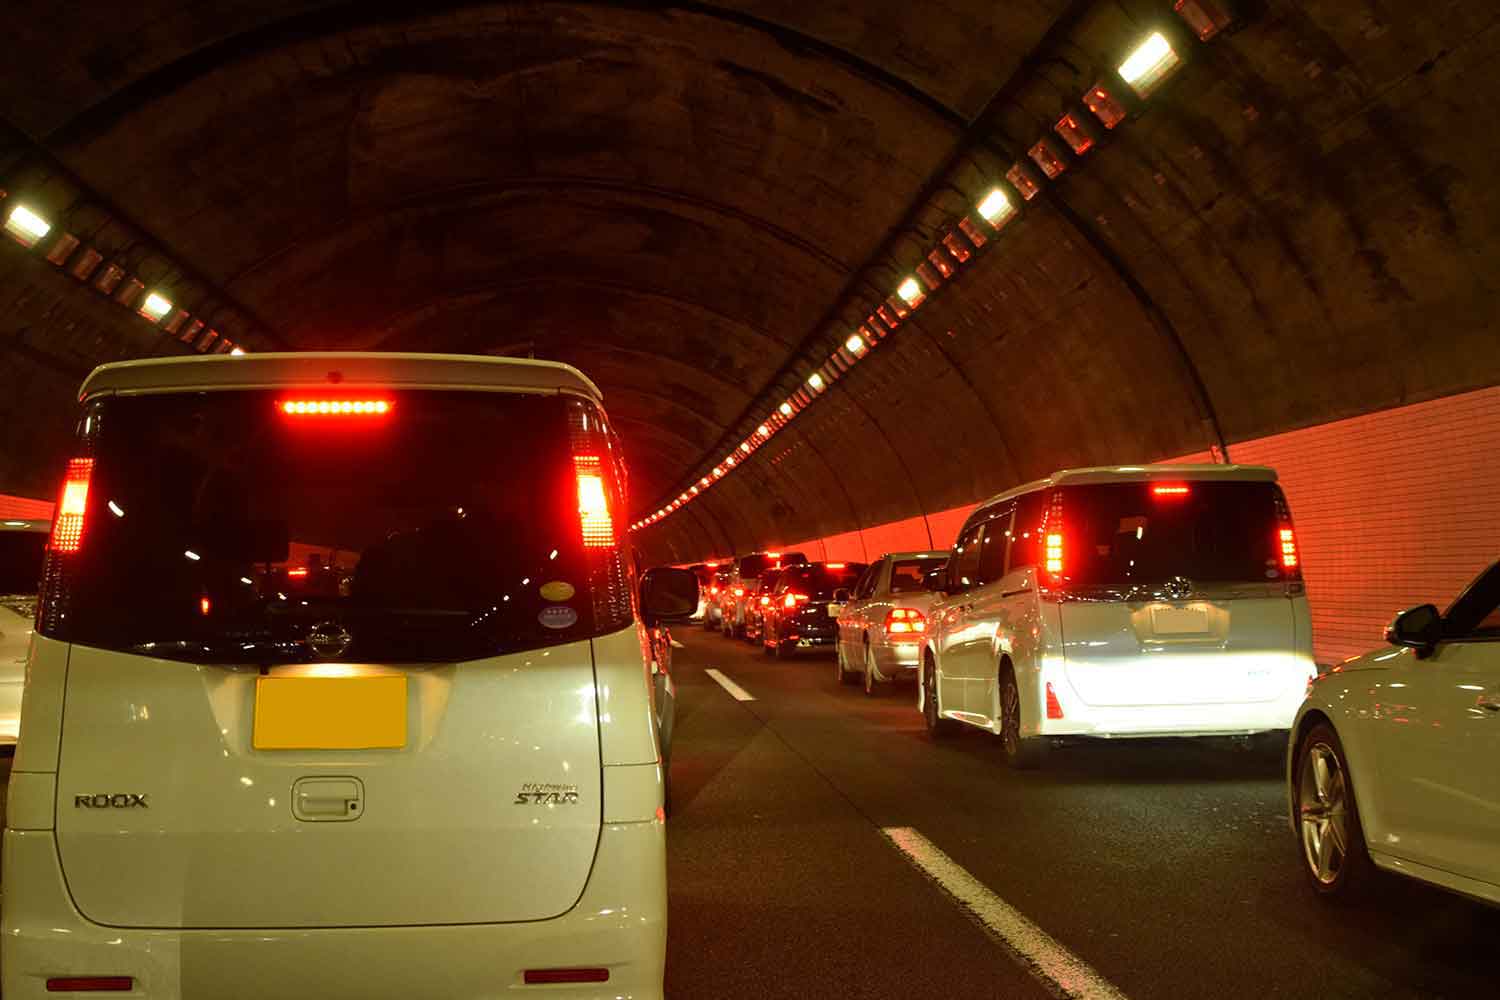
<point x="1392" y="761"/>
<point x="22" y="546"/>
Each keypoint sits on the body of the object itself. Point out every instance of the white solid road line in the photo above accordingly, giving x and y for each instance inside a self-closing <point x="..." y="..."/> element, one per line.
<point x="677" y="645"/>
<point x="1056" y="965"/>
<point x="735" y="691"/>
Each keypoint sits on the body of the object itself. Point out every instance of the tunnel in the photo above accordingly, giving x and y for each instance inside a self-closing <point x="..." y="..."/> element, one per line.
<point x="842" y="270"/>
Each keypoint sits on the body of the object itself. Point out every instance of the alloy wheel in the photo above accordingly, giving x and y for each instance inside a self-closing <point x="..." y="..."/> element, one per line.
<point x="1010" y="716"/>
<point x="1323" y="812"/>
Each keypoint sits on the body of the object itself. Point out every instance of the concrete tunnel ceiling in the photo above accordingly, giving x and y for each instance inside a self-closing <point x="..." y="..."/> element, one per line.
<point x="696" y="203"/>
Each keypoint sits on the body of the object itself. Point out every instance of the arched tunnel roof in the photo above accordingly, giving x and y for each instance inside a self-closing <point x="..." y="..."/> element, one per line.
<point x="696" y="203"/>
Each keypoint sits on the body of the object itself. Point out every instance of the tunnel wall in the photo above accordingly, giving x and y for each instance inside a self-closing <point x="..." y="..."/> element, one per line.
<point x="1392" y="509"/>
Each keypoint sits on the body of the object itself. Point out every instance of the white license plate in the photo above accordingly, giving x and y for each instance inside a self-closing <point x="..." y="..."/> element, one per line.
<point x="834" y="610"/>
<point x="1179" y="621"/>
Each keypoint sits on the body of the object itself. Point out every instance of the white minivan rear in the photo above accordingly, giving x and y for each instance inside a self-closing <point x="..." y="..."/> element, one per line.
<point x="338" y="691"/>
<point x="1122" y="602"/>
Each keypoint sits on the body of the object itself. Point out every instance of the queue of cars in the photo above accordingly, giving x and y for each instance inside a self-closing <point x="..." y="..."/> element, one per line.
<point x="1168" y="601"/>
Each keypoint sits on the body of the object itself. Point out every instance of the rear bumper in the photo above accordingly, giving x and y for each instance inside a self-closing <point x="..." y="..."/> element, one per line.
<point x="620" y="923"/>
<point x="897" y="659"/>
<point x="1174" y="720"/>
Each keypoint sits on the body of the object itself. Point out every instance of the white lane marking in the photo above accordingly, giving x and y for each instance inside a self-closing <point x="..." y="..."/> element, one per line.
<point x="1056" y="965"/>
<point x="677" y="645"/>
<point x="735" y="691"/>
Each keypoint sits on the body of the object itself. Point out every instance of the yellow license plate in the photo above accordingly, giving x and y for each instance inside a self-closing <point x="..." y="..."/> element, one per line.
<point x="330" y="713"/>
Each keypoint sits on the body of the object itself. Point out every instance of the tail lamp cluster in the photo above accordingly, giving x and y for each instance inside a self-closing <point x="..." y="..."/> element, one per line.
<point x="905" y="622"/>
<point x="1078" y="131"/>
<point x="600" y="483"/>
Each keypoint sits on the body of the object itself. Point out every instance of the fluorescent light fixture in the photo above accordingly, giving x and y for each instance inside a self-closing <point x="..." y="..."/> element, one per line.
<point x="26" y="226"/>
<point x="745" y="446"/>
<point x="910" y="292"/>
<point x="1149" y="64"/>
<point x="855" y="344"/>
<point x="155" y="307"/>
<point x="996" y="208"/>
<point x="236" y="351"/>
<point x="763" y="430"/>
<point x="192" y="555"/>
<point x="786" y="410"/>
<point x="816" y="381"/>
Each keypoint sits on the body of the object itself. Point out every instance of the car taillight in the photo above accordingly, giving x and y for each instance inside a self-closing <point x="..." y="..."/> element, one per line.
<point x="765" y="601"/>
<point x="714" y="590"/>
<point x="593" y="505"/>
<point x="90" y="984"/>
<point x="1286" y="541"/>
<point x="335" y="407"/>
<point x="905" y="621"/>
<point x="1052" y="536"/>
<point x="792" y="600"/>
<point x="600" y="491"/>
<point x="1054" y="707"/>
<point x="1166" y="491"/>
<point x="739" y="591"/>
<point x="72" y="505"/>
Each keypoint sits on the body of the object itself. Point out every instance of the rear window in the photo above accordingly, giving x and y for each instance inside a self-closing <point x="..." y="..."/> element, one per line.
<point x="753" y="566"/>
<point x="909" y="575"/>
<point x="220" y="527"/>
<point x="21" y="561"/>
<point x="1119" y="533"/>
<point x="818" y="581"/>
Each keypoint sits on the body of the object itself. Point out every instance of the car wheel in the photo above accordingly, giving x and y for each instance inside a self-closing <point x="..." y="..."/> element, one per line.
<point x="1334" y="856"/>
<point x="871" y="687"/>
<point x="1024" y="753"/>
<point x="939" y="727"/>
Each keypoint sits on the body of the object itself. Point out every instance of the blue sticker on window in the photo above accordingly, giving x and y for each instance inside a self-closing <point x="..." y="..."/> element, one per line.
<point x="557" y="616"/>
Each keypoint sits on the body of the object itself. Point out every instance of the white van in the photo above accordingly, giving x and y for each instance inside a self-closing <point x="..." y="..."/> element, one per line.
<point x="1121" y="602"/>
<point x="338" y="691"/>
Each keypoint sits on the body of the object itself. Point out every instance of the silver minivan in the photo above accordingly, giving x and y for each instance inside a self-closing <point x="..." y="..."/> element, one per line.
<point x="1121" y="602"/>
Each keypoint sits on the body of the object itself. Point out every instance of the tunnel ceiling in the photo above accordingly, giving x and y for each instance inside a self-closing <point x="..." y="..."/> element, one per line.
<point x="695" y="203"/>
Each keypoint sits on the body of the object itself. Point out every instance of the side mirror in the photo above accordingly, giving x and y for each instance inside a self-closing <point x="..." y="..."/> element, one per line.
<point x="1419" y="628"/>
<point x="936" y="580"/>
<point x="841" y="596"/>
<point x="668" y="595"/>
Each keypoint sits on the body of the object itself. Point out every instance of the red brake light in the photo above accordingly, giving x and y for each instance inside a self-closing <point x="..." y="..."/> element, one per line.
<point x="774" y="555"/>
<point x="1287" y="542"/>
<point x="205" y="605"/>
<point x="1169" y="491"/>
<point x="905" y="621"/>
<point x="534" y="977"/>
<point x="1052" y="536"/>
<point x="593" y="504"/>
<point x="792" y="600"/>
<point x="714" y="589"/>
<point x="67" y="527"/>
<point x="1054" y="707"/>
<point x="335" y="407"/>
<point x="739" y="591"/>
<point x="90" y="984"/>
<point x="765" y="600"/>
<point x="297" y="573"/>
<point x="835" y="565"/>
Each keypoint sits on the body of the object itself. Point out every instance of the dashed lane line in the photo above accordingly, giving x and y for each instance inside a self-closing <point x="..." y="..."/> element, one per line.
<point x="735" y="691"/>
<point x="1056" y="966"/>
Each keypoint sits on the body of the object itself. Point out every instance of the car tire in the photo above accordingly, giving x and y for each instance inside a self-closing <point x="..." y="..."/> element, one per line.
<point x="872" y="687"/>
<point x="937" y="726"/>
<point x="1023" y="753"/>
<point x="1328" y="818"/>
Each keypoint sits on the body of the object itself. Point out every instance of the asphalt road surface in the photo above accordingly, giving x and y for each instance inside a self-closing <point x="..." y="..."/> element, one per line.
<point x="1167" y="868"/>
<point x="1162" y="870"/>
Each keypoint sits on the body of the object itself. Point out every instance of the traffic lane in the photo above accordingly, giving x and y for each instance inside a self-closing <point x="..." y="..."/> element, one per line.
<point x="1167" y="866"/>
<point x="779" y="887"/>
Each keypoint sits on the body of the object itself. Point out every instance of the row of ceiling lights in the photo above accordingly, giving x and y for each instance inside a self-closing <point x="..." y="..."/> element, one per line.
<point x="1147" y="67"/>
<point x="65" y="250"/>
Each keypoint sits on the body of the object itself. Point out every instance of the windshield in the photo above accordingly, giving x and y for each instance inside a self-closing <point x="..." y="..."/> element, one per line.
<point x="818" y="581"/>
<point x="1150" y="532"/>
<point x="910" y="575"/>
<point x="220" y="527"/>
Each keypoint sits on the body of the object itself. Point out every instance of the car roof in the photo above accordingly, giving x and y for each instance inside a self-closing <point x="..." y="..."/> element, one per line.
<point x="1192" y="472"/>
<point x="916" y="555"/>
<point x="337" y="371"/>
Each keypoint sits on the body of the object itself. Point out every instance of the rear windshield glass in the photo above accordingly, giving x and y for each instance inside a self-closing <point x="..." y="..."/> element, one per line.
<point x="819" y="581"/>
<point x="752" y="566"/>
<point x="1149" y="533"/>
<point x="220" y="527"/>
<point x="908" y="575"/>
<point x="21" y="561"/>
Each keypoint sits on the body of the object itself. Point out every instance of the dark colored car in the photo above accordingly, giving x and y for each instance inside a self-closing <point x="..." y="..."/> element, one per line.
<point x="801" y="613"/>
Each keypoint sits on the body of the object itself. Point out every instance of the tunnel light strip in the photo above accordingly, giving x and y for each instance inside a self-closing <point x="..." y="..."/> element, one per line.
<point x="1146" y="68"/>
